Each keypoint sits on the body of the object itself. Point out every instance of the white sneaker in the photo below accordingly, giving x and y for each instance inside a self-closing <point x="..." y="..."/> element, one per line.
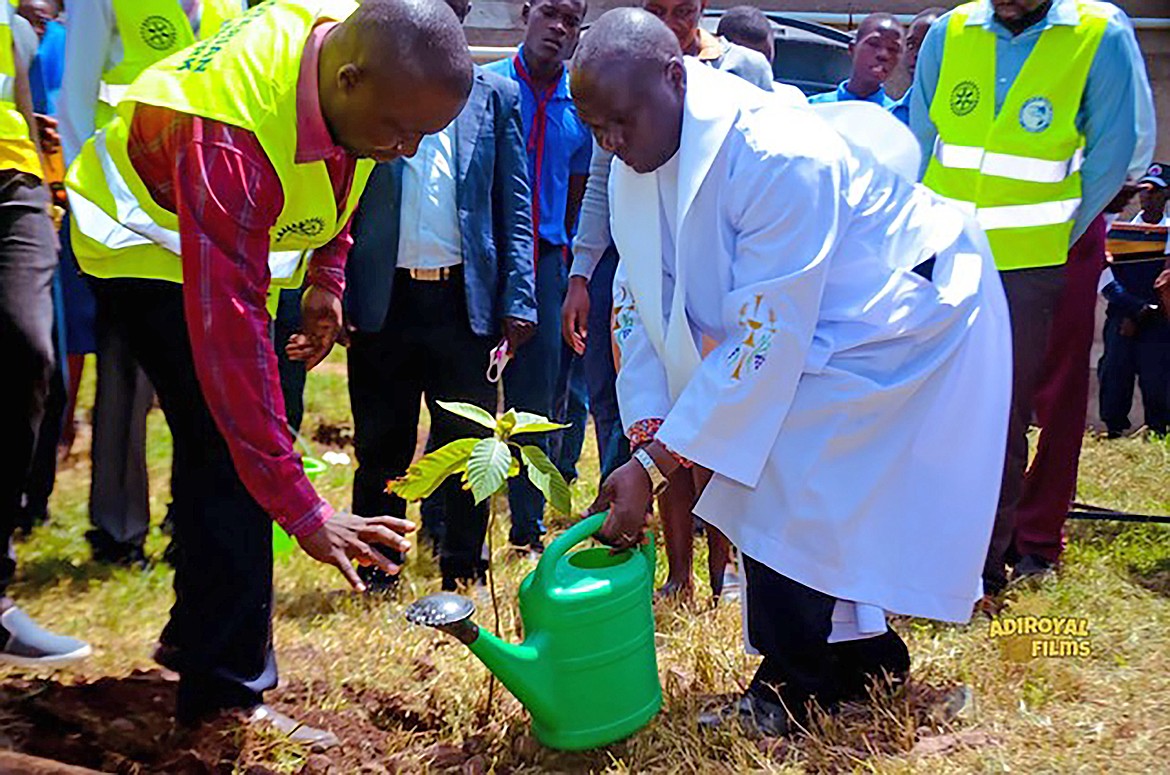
<point x="25" y="644"/>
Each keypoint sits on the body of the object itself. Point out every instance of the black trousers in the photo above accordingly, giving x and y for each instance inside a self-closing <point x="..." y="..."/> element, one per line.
<point x="292" y="373"/>
<point x="28" y="257"/>
<point x="426" y="347"/>
<point x="789" y="624"/>
<point x="219" y="637"/>
<point x="119" y="493"/>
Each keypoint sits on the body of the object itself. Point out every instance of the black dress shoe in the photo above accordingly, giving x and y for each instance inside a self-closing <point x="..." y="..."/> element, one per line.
<point x="110" y="552"/>
<point x="756" y="716"/>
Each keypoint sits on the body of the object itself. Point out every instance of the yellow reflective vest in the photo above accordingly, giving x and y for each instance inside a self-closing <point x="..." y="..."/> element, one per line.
<point x="1018" y="172"/>
<point x="150" y="31"/>
<point x="17" y="151"/>
<point x="246" y="76"/>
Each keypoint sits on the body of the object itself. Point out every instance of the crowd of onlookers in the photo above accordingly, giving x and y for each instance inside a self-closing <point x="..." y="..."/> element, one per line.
<point x="416" y="222"/>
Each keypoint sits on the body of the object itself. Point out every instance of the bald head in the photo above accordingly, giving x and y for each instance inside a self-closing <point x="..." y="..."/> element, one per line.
<point x="628" y="82"/>
<point x="626" y="35"/>
<point x="392" y="72"/>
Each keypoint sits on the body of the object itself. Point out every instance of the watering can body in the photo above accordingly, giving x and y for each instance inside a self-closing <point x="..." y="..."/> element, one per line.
<point x="587" y="670"/>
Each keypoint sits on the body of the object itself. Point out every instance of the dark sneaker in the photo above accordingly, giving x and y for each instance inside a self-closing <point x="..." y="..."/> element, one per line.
<point x="315" y="739"/>
<point x="1032" y="567"/>
<point x="25" y="644"/>
<point x="755" y="716"/>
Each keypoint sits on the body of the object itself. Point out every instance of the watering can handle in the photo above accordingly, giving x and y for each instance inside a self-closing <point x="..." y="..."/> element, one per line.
<point x="582" y="531"/>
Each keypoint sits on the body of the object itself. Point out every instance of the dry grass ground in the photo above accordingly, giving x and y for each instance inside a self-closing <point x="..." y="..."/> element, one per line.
<point x="408" y="699"/>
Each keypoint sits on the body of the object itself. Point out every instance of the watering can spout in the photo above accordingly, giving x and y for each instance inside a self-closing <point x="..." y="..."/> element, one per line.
<point x="518" y="667"/>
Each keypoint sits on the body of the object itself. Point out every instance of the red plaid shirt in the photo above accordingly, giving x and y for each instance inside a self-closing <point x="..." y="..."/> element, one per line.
<point x="228" y="196"/>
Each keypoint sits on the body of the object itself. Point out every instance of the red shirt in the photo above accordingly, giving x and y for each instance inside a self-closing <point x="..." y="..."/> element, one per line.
<point x="227" y="195"/>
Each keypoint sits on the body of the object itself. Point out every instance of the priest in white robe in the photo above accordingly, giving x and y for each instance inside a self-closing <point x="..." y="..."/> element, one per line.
<point x="853" y="416"/>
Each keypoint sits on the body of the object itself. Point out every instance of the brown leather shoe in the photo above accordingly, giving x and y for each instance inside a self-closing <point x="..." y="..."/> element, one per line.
<point x="316" y="739"/>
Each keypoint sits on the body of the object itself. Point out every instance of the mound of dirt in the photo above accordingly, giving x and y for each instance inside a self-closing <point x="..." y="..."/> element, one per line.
<point x="124" y="725"/>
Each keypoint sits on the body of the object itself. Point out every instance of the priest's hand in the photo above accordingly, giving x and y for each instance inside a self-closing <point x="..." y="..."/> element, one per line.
<point x="321" y="325"/>
<point x="626" y="493"/>
<point x="575" y="314"/>
<point x="347" y="537"/>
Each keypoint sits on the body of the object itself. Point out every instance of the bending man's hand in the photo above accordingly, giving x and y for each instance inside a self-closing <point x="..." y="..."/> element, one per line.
<point x="346" y="538"/>
<point x="321" y="325"/>
<point x="575" y="314"/>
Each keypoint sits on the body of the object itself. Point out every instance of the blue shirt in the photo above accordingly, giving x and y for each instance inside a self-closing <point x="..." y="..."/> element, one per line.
<point x="1107" y="114"/>
<point x="901" y="108"/>
<point x="842" y="94"/>
<point x="48" y="67"/>
<point x="567" y="145"/>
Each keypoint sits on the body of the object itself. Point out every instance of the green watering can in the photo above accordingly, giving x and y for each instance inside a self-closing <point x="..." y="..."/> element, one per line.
<point x="587" y="670"/>
<point x="282" y="542"/>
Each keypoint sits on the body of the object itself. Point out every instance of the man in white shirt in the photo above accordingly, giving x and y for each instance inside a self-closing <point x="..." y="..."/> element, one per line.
<point x="441" y="270"/>
<point x="826" y="415"/>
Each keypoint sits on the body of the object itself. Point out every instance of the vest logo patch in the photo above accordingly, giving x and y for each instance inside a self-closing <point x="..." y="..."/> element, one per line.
<point x="309" y="227"/>
<point x="158" y="32"/>
<point x="964" y="98"/>
<point x="1036" y="114"/>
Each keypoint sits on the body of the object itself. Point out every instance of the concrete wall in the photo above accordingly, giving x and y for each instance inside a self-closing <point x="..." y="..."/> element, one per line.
<point x="497" y="23"/>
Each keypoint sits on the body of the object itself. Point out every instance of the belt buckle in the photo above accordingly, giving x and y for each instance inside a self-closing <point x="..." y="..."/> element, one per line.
<point x="429" y="275"/>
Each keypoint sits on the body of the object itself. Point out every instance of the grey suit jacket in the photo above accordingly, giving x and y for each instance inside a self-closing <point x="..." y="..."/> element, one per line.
<point x="495" y="218"/>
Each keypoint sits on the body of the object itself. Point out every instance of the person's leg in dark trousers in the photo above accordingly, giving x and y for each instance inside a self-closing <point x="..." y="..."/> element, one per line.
<point x="529" y="384"/>
<point x="1153" y="359"/>
<point x="1116" y="372"/>
<point x="789" y="624"/>
<point x="572" y="409"/>
<point x="1032" y="296"/>
<point x="292" y="373"/>
<point x="219" y="637"/>
<point x="43" y="473"/>
<point x="27" y="262"/>
<point x="454" y="365"/>
<point x="426" y="345"/>
<point x="119" y="496"/>
<point x="600" y="375"/>
<point x="385" y="390"/>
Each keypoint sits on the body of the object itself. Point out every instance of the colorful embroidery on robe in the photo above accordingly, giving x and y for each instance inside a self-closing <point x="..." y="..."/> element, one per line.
<point x="624" y="315"/>
<point x="758" y="321"/>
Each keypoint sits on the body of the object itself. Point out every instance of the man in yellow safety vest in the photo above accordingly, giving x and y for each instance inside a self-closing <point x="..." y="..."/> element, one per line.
<point x="225" y="164"/>
<point x="1025" y="112"/>
<point x="109" y="43"/>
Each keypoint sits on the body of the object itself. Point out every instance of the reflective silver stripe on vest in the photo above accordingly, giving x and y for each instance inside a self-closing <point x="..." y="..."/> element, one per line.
<point x="1006" y="165"/>
<point x="282" y="264"/>
<point x="1020" y="216"/>
<point x="112" y="93"/>
<point x="7" y="88"/>
<point x="133" y="226"/>
<point x="128" y="211"/>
